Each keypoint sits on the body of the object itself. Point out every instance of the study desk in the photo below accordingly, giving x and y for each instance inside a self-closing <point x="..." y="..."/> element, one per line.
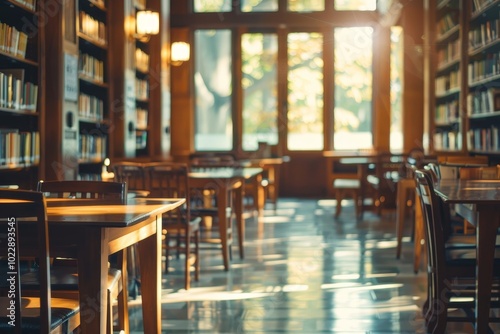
<point x="90" y="233"/>
<point x="478" y="202"/>
<point x="225" y="180"/>
<point x="271" y="169"/>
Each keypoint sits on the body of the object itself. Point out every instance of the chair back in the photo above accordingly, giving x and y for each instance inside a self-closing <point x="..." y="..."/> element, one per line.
<point x="432" y="212"/>
<point x="131" y="173"/>
<point x="84" y="189"/>
<point x="169" y="180"/>
<point x="16" y="206"/>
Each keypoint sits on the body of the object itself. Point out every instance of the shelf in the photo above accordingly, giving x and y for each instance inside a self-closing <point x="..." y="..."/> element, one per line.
<point x="21" y="5"/>
<point x="19" y="112"/>
<point x="484" y="115"/>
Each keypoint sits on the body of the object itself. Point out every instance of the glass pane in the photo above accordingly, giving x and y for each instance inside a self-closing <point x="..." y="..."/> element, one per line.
<point x="353" y="88"/>
<point x="355" y="4"/>
<point x="259" y="54"/>
<point x="396" y="143"/>
<point x="305" y="91"/>
<point x="204" y="6"/>
<point x="213" y="82"/>
<point x="259" y="5"/>
<point x="306" y="5"/>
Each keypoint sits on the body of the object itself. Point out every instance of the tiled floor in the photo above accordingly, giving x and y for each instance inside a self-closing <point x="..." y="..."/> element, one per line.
<point x="304" y="272"/>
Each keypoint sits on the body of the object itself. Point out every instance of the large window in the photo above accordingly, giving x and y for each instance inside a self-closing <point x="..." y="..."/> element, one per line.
<point x="353" y="88"/>
<point x="207" y="6"/>
<point x="259" y="53"/>
<point x="306" y="5"/>
<point x="355" y="4"/>
<point x="305" y="91"/>
<point x="396" y="139"/>
<point x="259" y="5"/>
<point x="213" y="90"/>
<point x="257" y="79"/>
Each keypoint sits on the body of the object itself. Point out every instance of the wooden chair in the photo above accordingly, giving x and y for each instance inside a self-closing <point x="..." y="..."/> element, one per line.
<point x="182" y="232"/>
<point x="117" y="277"/>
<point x="384" y="181"/>
<point x="204" y="204"/>
<point x="133" y="174"/>
<point x="42" y="314"/>
<point x="451" y="270"/>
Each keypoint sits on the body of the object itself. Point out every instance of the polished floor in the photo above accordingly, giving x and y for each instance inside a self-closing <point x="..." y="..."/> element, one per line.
<point x="304" y="272"/>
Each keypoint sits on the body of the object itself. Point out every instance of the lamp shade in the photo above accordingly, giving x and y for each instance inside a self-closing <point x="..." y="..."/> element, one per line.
<point x="147" y="22"/>
<point x="180" y="52"/>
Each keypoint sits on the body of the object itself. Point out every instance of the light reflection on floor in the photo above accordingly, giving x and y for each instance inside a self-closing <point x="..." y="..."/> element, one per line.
<point x="303" y="272"/>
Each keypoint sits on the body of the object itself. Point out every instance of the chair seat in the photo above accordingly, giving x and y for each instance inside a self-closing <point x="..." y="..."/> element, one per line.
<point x="65" y="279"/>
<point x="346" y="184"/>
<point x="348" y="188"/>
<point x="63" y="310"/>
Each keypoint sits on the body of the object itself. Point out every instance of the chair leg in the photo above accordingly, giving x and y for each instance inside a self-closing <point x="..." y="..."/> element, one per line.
<point x="187" y="262"/>
<point x="197" y="255"/>
<point x="338" y="196"/>
<point x="123" y="321"/>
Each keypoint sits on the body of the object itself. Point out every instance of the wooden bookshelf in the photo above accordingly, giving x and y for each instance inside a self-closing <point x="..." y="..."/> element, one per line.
<point x="21" y="94"/>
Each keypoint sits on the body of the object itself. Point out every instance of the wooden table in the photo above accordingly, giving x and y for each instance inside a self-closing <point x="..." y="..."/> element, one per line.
<point x="478" y="201"/>
<point x="91" y="232"/>
<point x="225" y="180"/>
<point x="271" y="167"/>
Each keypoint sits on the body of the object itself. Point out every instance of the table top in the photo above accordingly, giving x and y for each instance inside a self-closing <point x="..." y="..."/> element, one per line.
<point x="64" y="211"/>
<point x="224" y="172"/>
<point x="469" y="191"/>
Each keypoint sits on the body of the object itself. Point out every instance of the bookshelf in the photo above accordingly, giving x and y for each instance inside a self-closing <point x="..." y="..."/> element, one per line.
<point x="93" y="83"/>
<point x="447" y="118"/>
<point x="142" y="98"/>
<point x="465" y="92"/>
<point x="21" y="98"/>
<point x="483" y="100"/>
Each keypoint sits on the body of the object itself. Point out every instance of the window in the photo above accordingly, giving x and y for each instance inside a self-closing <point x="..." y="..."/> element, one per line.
<point x="259" y="84"/>
<point x="207" y="6"/>
<point x="396" y="139"/>
<point x="306" y="5"/>
<point x="355" y="4"/>
<point x="305" y="91"/>
<point x="353" y="88"/>
<point x="259" y="5"/>
<point x="213" y="90"/>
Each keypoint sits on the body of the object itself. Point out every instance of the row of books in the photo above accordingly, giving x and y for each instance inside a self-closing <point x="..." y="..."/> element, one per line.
<point x="447" y="140"/>
<point x="19" y="148"/>
<point x="482" y="69"/>
<point x="448" y="82"/>
<point x="141" y="60"/>
<point x="447" y="22"/>
<point x="484" y="34"/>
<point x="15" y="93"/>
<point x="447" y="113"/>
<point x="92" y="147"/>
<point x="31" y="4"/>
<point x="483" y="139"/>
<point x="90" y="107"/>
<point x="92" y="27"/>
<point x="141" y="118"/>
<point x="141" y="89"/>
<point x="13" y="41"/>
<point x="91" y="67"/>
<point x="448" y="53"/>
<point x="478" y="5"/>
<point x="484" y="101"/>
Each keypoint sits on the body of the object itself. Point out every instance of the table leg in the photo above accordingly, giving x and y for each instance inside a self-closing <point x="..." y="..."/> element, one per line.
<point x="150" y="257"/>
<point x="240" y="222"/>
<point x="92" y="277"/>
<point x="222" y="201"/>
<point x="486" y="233"/>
